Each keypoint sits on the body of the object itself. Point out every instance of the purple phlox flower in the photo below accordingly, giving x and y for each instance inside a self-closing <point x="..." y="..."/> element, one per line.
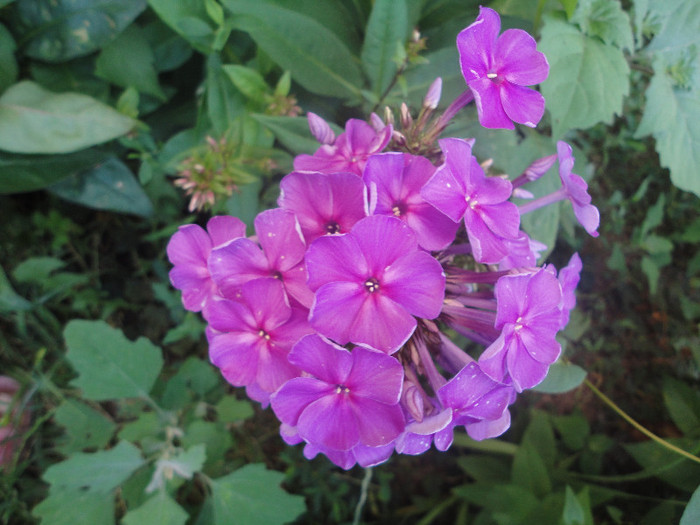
<point x="522" y="252"/>
<point x="188" y="251"/>
<point x="419" y="435"/>
<point x="255" y="335"/>
<point x="497" y="69"/>
<point x="528" y="315"/>
<point x="281" y="257"/>
<point x="577" y="190"/>
<point x="573" y="188"/>
<point x="371" y="282"/>
<point x="394" y="181"/>
<point x="569" y="277"/>
<point x="358" y="455"/>
<point x="460" y="189"/>
<point x="349" y="152"/>
<point x="349" y="398"/>
<point x="478" y="402"/>
<point x="323" y="204"/>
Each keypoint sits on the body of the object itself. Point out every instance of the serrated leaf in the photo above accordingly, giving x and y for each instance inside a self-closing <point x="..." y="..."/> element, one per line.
<point x="69" y="507"/>
<point x="109" y="365"/>
<point x="606" y="20"/>
<point x="85" y="427"/>
<point x="194" y="376"/>
<point x="317" y="59"/>
<point x="98" y="472"/>
<point x="128" y="61"/>
<point x="161" y="509"/>
<point x="386" y="29"/>
<point x="679" y="29"/>
<point x="587" y="78"/>
<point x="672" y="116"/>
<point x="34" y="120"/>
<point x="252" y="496"/>
<point x="58" y="30"/>
<point x="108" y="186"/>
<point x="561" y="378"/>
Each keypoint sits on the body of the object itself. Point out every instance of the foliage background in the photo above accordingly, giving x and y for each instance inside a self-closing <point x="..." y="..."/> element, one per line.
<point x="103" y="102"/>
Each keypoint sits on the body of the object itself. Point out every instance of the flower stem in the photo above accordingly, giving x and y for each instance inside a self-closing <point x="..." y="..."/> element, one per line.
<point x="364" y="488"/>
<point x="639" y="427"/>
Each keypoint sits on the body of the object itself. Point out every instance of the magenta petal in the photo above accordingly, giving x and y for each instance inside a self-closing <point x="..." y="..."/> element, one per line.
<point x="372" y="456"/>
<point x="493" y="360"/>
<point x="519" y="61"/>
<point x="376" y="376"/>
<point x="487" y="247"/>
<point x="322" y="359"/>
<point x="229" y="316"/>
<point x="335" y="258"/>
<point x="489" y="429"/>
<point x="330" y="422"/>
<point x="588" y="216"/>
<point x="476" y="42"/>
<point x="236" y="354"/>
<point x="417" y="283"/>
<point x="224" y="228"/>
<point x="511" y="293"/>
<point x="383" y="240"/>
<point x="378" y="423"/>
<point x="190" y="245"/>
<point x="434" y="230"/>
<point x="467" y="387"/>
<point x="525" y="371"/>
<point x="522" y="105"/>
<point x="280" y="238"/>
<point x="445" y="193"/>
<point x="267" y="302"/>
<point x="382" y="324"/>
<point x="489" y="105"/>
<point x="542" y="347"/>
<point x="235" y="263"/>
<point x="196" y="289"/>
<point x="295" y="395"/>
<point x="336" y="306"/>
<point x="502" y="219"/>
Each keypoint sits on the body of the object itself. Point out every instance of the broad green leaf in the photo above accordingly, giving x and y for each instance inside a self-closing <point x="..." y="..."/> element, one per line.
<point x="8" y="63"/>
<point x="573" y="429"/>
<point x="485" y="469"/>
<point x="217" y="441"/>
<point x="70" y="507"/>
<point x="683" y="405"/>
<point x="161" y="509"/>
<point x="108" y="186"/>
<point x="36" y="269"/>
<point x="672" y="116"/>
<point x="606" y="20"/>
<point x="230" y="409"/>
<point x="224" y="102"/>
<point x="491" y="496"/>
<point x="59" y="30"/>
<point x="691" y="514"/>
<point x="293" y="132"/>
<point x="11" y="301"/>
<point x="97" y="472"/>
<point x="148" y="425"/>
<point x="21" y="173"/>
<point x="188" y="18"/>
<point x="317" y="59"/>
<point x="679" y="29"/>
<point x="85" y="427"/>
<point x="587" y="78"/>
<point x="561" y="378"/>
<point x="109" y="365"/>
<point x="386" y="32"/>
<point x="76" y="76"/>
<point x="252" y="496"/>
<point x="573" y="511"/>
<point x="34" y="120"/>
<point x="194" y="376"/>
<point x="128" y="61"/>
<point x="530" y="471"/>
<point x="169" y="49"/>
<point x="652" y="457"/>
<point x="248" y="81"/>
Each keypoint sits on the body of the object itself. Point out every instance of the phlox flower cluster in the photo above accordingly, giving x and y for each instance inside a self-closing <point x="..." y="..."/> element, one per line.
<point x="340" y="311"/>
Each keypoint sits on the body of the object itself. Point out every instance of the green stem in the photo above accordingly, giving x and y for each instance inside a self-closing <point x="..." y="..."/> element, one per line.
<point x="639" y="427"/>
<point x="363" y="496"/>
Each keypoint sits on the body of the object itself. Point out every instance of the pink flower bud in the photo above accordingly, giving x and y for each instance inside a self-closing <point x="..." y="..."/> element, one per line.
<point x="320" y="129"/>
<point x="432" y="97"/>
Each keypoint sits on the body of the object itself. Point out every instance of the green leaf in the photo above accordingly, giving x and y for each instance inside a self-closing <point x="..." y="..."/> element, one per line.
<point x="98" y="472"/>
<point x="587" y="78"/>
<point x="128" y="61"/>
<point x="224" y="102"/>
<point x="248" y="81"/>
<point x="492" y="497"/>
<point x="148" y="425"/>
<point x="293" y="132"/>
<point x="245" y="203"/>
<point x="691" y="514"/>
<point x="535" y="456"/>
<point x="108" y="186"/>
<point x="573" y="429"/>
<point x="188" y="18"/>
<point x="85" y="427"/>
<point x="252" y="496"/>
<point x="34" y="120"/>
<point x="10" y="301"/>
<point x="573" y="511"/>
<point x="68" y="507"/>
<point x="183" y="465"/>
<point x="683" y="405"/>
<point x="485" y="469"/>
<point x="679" y="27"/>
<point x="22" y="173"/>
<point x="193" y="376"/>
<point x="109" y="365"/>
<point x="217" y="441"/>
<point x="653" y="457"/>
<point x="606" y="20"/>
<point x="8" y="63"/>
<point x="386" y="30"/>
<point x="230" y="409"/>
<point x="161" y="509"/>
<point x="169" y="49"/>
<point x="672" y="116"/>
<point x="561" y="378"/>
<point x="36" y="269"/>
<point x="317" y="59"/>
<point x="58" y="30"/>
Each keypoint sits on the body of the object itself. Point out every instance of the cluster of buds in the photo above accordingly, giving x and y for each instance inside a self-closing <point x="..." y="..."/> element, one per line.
<point x="338" y="312"/>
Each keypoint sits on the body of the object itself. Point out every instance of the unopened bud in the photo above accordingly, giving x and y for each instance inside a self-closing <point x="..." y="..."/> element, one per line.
<point x="432" y="97"/>
<point x="413" y="401"/>
<point x="320" y="129"/>
<point x="539" y="167"/>
<point x="399" y="138"/>
<point x="406" y="118"/>
<point x="376" y="122"/>
<point x="388" y="115"/>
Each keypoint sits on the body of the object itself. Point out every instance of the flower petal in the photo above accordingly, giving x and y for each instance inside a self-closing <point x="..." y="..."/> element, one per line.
<point x="224" y="228"/>
<point x="518" y="60"/>
<point x="416" y="282"/>
<point x="489" y="104"/>
<point x="295" y="395"/>
<point x="376" y="376"/>
<point x="330" y="422"/>
<point x="322" y="359"/>
<point x="378" y="423"/>
<point x="522" y="105"/>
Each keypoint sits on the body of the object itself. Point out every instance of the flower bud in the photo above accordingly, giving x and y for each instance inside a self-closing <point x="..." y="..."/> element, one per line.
<point x="320" y="129"/>
<point x="432" y="97"/>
